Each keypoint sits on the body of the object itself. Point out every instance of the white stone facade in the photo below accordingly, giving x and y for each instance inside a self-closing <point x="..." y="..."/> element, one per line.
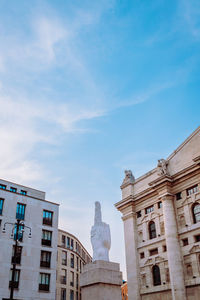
<point x="30" y="266"/>
<point x="72" y="256"/>
<point x="161" y="215"/>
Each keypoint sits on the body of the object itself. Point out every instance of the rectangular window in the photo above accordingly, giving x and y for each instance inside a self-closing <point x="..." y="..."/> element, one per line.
<point x="142" y="255"/>
<point x="139" y="214"/>
<point x="153" y="251"/>
<point x="44" y="282"/>
<point x="68" y="242"/>
<point x="15" y="283"/>
<point x="77" y="296"/>
<point x="2" y="187"/>
<point x="1" y="206"/>
<point x="197" y="238"/>
<point x="12" y="189"/>
<point x="80" y="266"/>
<point x="185" y="241"/>
<point x="71" y="295"/>
<point x="164" y="248"/>
<point x="63" y="278"/>
<point x="72" y="260"/>
<point x="23" y="192"/>
<point x="160" y="204"/>
<point x="77" y="281"/>
<point x="18" y="235"/>
<point x="178" y="196"/>
<point x="77" y="263"/>
<point x="47" y="217"/>
<point x="72" y="244"/>
<point x="63" y="294"/>
<point x="45" y="260"/>
<point x="63" y="241"/>
<point x="192" y="190"/>
<point x="149" y="209"/>
<point x="46" y="238"/>
<point x="72" y="278"/>
<point x="64" y="258"/>
<point x="20" y="213"/>
<point x="17" y="258"/>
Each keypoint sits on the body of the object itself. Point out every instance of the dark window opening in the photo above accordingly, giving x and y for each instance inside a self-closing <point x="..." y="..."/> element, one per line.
<point x="153" y="251"/>
<point x="47" y="217"/>
<point x="185" y="241"/>
<point x="178" y="196"/>
<point x="152" y="230"/>
<point x="156" y="275"/>
<point x="20" y="213"/>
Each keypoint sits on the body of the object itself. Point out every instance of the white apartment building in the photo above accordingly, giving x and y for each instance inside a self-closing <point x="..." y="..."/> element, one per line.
<point x="71" y="258"/>
<point x="35" y="276"/>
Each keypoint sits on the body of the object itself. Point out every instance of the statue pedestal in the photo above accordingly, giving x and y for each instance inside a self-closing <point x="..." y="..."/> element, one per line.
<point x="101" y="280"/>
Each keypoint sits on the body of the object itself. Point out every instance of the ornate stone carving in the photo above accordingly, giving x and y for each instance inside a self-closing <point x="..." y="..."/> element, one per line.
<point x="100" y="236"/>
<point x="129" y="178"/>
<point x="162" y="167"/>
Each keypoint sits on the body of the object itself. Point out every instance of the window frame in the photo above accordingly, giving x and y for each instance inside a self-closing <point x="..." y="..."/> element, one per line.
<point x="47" y="217"/>
<point x="20" y="212"/>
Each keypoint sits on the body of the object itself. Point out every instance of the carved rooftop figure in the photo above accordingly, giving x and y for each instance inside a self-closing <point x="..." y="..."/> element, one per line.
<point x="129" y="178"/>
<point x="162" y="167"/>
<point x="100" y="236"/>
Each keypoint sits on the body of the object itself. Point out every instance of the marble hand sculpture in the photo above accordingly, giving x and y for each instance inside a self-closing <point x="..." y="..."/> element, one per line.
<point x="100" y="236"/>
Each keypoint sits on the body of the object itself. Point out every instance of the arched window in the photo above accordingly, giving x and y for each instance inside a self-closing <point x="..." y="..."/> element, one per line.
<point x="152" y="230"/>
<point x="156" y="275"/>
<point x="196" y="212"/>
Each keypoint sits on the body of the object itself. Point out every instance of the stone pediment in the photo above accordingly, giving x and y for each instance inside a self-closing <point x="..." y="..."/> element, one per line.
<point x="150" y="216"/>
<point x="159" y="258"/>
<point x="148" y="261"/>
<point x="186" y="154"/>
<point x="194" y="249"/>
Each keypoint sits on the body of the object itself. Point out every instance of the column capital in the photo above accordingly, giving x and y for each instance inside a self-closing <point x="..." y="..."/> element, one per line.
<point x="129" y="215"/>
<point x="166" y="196"/>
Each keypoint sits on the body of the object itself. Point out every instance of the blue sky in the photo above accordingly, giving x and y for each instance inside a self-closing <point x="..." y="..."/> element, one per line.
<point x="90" y="88"/>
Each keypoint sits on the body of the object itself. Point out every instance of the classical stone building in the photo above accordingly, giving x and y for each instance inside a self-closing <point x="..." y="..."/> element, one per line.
<point x="161" y="216"/>
<point x="35" y="276"/>
<point x="71" y="258"/>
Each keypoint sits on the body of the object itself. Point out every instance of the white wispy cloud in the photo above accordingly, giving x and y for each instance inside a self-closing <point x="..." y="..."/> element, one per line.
<point x="191" y="13"/>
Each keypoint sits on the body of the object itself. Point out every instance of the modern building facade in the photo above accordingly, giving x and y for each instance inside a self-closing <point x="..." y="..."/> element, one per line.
<point x="35" y="276"/>
<point x="71" y="258"/>
<point x="161" y="216"/>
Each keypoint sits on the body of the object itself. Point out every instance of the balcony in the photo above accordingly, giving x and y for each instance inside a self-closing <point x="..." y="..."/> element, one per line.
<point x="45" y="264"/>
<point x="46" y="242"/>
<point x="15" y="284"/>
<point x="47" y="221"/>
<point x="16" y="260"/>
<point x="63" y="280"/>
<point x="64" y="262"/>
<point x="19" y="216"/>
<point x="44" y="287"/>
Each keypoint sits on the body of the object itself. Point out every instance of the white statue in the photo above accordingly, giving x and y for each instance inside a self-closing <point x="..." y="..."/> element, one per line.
<point x="129" y="178"/>
<point x="100" y="236"/>
<point x="162" y="167"/>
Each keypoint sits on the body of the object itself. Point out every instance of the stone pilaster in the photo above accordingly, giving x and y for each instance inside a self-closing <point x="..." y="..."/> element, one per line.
<point x="132" y="264"/>
<point x="173" y="249"/>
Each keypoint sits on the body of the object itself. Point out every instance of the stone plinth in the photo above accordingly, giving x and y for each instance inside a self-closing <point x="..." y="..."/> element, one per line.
<point x="101" y="280"/>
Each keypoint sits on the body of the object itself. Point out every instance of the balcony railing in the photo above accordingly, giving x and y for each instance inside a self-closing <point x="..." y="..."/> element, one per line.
<point x="43" y="287"/>
<point x="15" y="284"/>
<point x="47" y="221"/>
<point x="45" y="264"/>
<point x="16" y="260"/>
<point x="19" y="216"/>
<point x="64" y="262"/>
<point x="46" y="242"/>
<point x="63" y="280"/>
